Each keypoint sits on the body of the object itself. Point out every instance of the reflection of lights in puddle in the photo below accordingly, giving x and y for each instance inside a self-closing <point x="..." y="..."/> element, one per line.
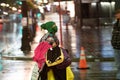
<point x="107" y="66"/>
<point x="15" y="76"/>
<point x="109" y="53"/>
<point x="90" y="56"/>
<point x="74" y="66"/>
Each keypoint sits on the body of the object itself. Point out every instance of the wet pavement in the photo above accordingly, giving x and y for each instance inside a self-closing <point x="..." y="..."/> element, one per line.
<point x="16" y="70"/>
<point x="96" y="71"/>
<point x="95" y="40"/>
<point x="22" y="70"/>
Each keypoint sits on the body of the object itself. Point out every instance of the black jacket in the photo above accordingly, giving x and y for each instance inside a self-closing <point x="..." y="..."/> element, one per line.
<point x="115" y="40"/>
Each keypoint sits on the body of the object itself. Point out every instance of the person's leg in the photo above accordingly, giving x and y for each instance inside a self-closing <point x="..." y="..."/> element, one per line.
<point x="59" y="74"/>
<point x="117" y="62"/>
<point x="43" y="73"/>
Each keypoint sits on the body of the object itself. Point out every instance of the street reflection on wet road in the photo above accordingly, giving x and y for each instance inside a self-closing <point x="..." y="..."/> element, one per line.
<point x="96" y="71"/>
<point x="95" y="41"/>
<point x="10" y="36"/>
<point x="16" y="70"/>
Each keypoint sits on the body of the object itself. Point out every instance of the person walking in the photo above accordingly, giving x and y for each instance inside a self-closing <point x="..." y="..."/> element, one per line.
<point x="115" y="42"/>
<point x="48" y="55"/>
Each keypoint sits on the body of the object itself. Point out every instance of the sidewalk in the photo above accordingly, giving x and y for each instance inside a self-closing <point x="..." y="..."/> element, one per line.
<point x="93" y="44"/>
<point x="16" y="70"/>
<point x="15" y="65"/>
<point x="14" y="53"/>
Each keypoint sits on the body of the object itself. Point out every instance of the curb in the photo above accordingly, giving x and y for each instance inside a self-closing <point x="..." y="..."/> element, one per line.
<point x="96" y="59"/>
<point x="73" y="60"/>
<point x="16" y="58"/>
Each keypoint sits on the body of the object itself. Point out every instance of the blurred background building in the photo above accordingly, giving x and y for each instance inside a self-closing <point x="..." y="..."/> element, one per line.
<point x="100" y="11"/>
<point x="31" y="13"/>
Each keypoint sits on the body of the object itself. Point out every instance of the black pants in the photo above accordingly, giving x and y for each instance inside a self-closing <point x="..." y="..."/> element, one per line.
<point x="43" y="73"/>
<point x="59" y="74"/>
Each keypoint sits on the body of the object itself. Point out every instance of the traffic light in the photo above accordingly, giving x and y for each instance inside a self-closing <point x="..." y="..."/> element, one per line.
<point x="19" y="2"/>
<point x="38" y="14"/>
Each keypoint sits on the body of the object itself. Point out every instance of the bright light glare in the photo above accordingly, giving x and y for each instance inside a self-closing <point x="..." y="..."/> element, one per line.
<point x="14" y="8"/>
<point x="19" y="10"/>
<point x="105" y="3"/>
<point x="3" y="4"/>
<point x="45" y="1"/>
<point x="7" y="5"/>
<point x="113" y="3"/>
<point x="41" y="9"/>
<point x="40" y="1"/>
<point x="93" y="4"/>
<point x="5" y="13"/>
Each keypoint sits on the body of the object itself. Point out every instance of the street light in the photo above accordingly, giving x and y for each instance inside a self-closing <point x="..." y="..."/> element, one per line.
<point x="7" y="5"/>
<point x="3" y="4"/>
<point x="14" y="8"/>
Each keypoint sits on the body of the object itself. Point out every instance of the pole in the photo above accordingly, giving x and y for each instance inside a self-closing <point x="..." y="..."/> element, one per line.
<point x="66" y="13"/>
<point x="78" y="20"/>
<point x="61" y="42"/>
<point x="26" y="35"/>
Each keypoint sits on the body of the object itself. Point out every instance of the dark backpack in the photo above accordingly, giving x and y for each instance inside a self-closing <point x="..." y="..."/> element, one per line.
<point x="67" y="60"/>
<point x="115" y="40"/>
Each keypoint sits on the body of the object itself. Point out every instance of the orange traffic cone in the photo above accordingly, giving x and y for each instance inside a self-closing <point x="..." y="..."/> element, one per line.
<point x="82" y="62"/>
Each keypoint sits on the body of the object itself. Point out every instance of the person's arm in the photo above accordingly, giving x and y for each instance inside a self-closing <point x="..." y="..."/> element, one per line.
<point x="44" y="37"/>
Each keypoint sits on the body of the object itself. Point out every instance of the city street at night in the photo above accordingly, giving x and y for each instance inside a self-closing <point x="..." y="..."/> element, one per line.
<point x="84" y="28"/>
<point x="96" y="40"/>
